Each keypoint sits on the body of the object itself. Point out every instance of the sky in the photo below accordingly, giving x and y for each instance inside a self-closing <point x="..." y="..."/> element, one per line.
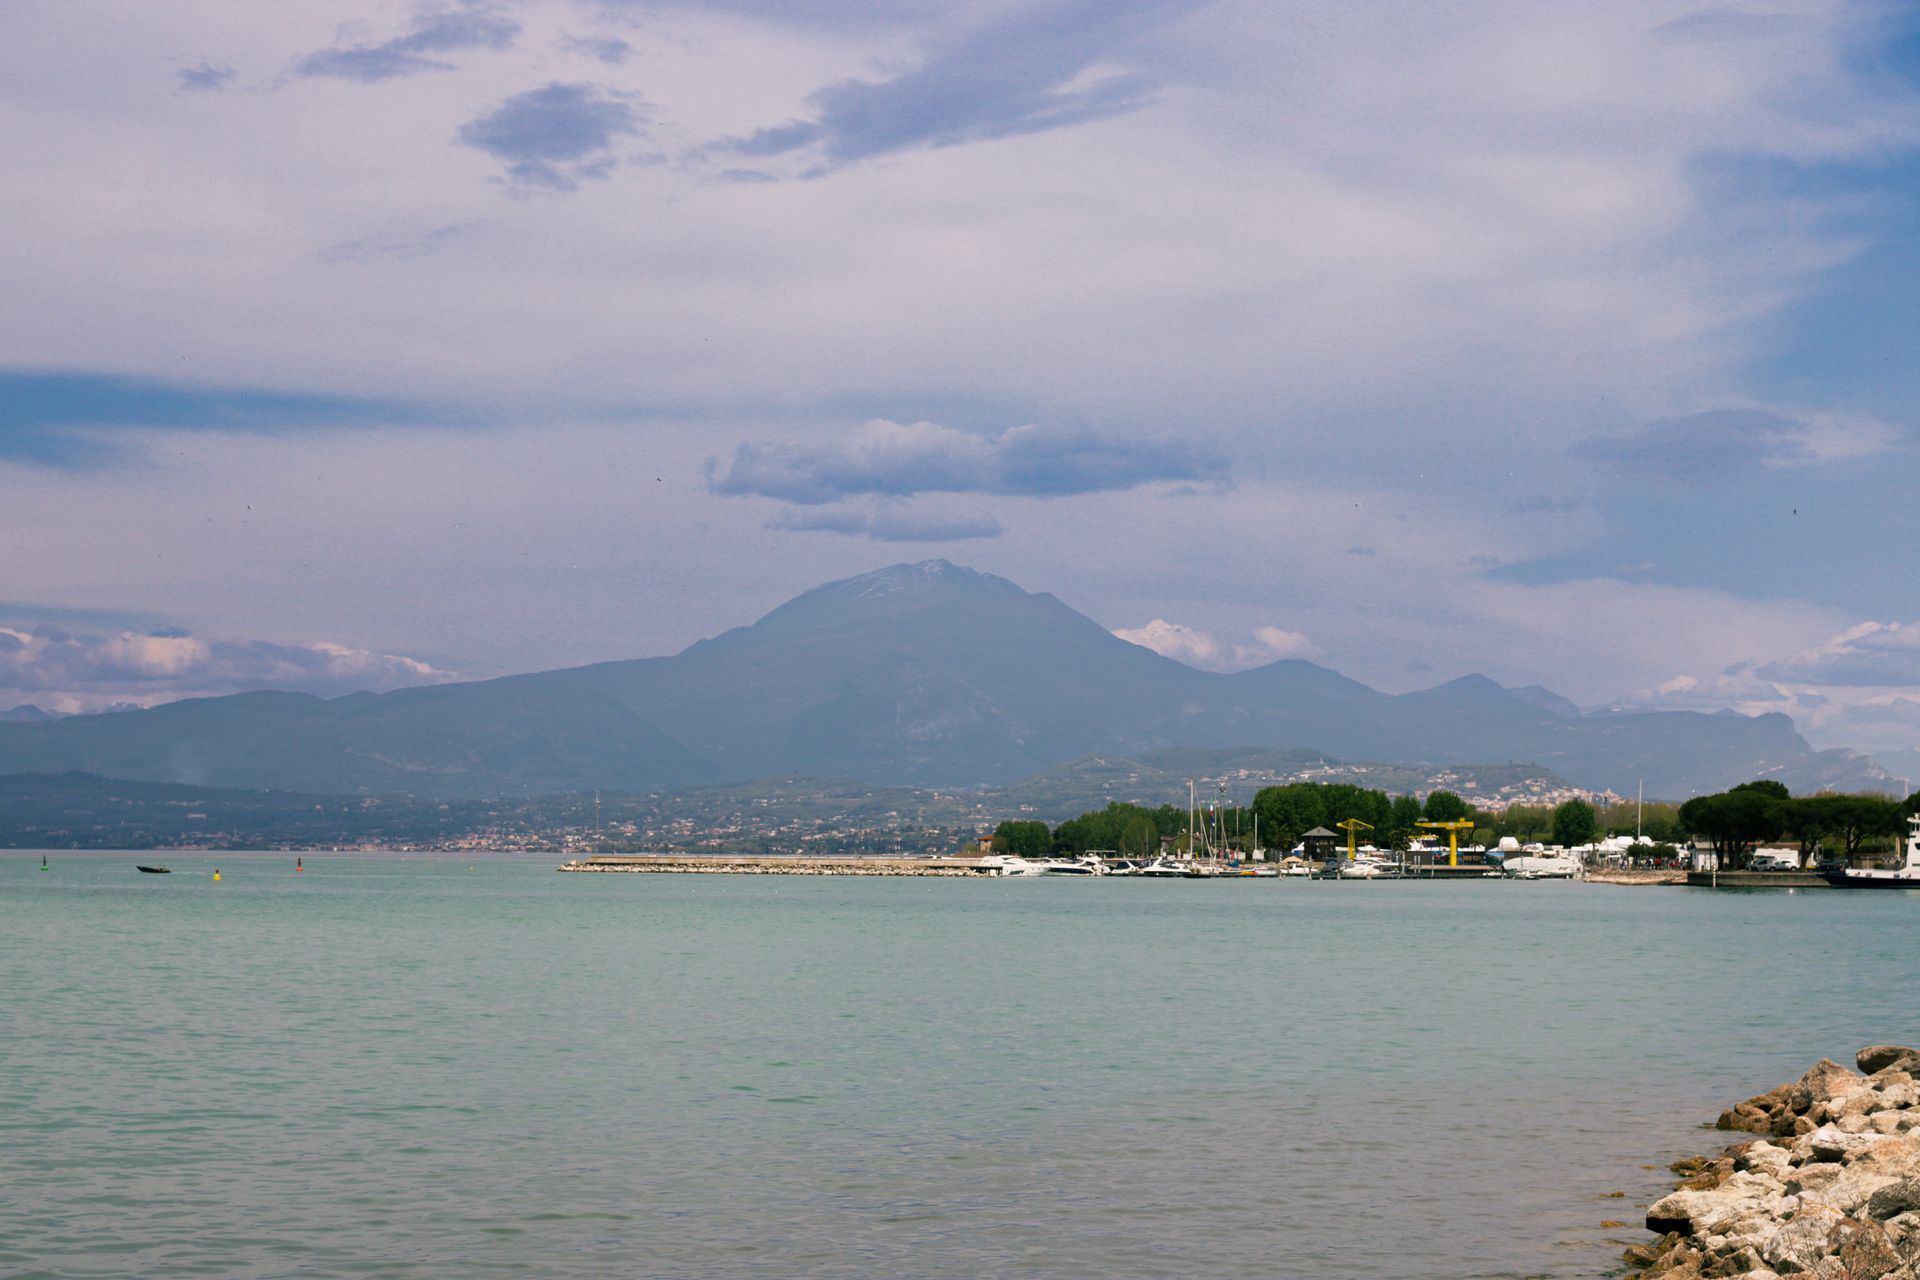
<point x="362" y="343"/>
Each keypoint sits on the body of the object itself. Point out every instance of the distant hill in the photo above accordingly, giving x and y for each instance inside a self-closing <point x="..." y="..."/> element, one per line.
<point x="1160" y="777"/>
<point x="924" y="675"/>
<point x="767" y="815"/>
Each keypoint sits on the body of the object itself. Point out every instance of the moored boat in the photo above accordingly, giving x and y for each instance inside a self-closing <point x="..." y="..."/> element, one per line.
<point x="1163" y="868"/>
<point x="1905" y="876"/>
<point x="1087" y="864"/>
<point x="157" y="871"/>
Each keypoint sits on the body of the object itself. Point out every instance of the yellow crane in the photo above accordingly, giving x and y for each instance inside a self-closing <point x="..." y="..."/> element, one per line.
<point x="1453" y="830"/>
<point x="1352" y="826"/>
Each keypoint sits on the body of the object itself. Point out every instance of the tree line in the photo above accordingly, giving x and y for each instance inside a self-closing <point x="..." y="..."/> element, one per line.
<point x="1286" y="813"/>
<point x="1739" y="820"/>
<point x="1735" y="821"/>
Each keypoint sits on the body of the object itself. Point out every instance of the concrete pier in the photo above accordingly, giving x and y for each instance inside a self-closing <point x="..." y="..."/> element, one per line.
<point x="1757" y="880"/>
<point x="796" y="865"/>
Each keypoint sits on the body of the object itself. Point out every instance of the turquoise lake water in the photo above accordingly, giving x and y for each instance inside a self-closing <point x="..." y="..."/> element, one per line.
<point x="439" y="1067"/>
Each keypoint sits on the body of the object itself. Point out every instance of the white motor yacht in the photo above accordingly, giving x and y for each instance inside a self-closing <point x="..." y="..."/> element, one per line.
<point x="1542" y="866"/>
<point x="1905" y="876"/>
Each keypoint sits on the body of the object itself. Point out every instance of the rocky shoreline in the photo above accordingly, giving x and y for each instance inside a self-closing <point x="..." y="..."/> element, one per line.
<point x="1830" y="1190"/>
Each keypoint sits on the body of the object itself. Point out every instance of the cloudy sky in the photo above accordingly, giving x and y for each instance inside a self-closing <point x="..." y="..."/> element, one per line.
<point x="352" y="343"/>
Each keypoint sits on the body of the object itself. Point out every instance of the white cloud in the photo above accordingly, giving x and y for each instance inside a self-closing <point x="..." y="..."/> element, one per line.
<point x="1475" y="234"/>
<point x="1860" y="688"/>
<point x="1198" y="649"/>
<point x="1495" y="212"/>
<point x="58" y="671"/>
<point x="1873" y="654"/>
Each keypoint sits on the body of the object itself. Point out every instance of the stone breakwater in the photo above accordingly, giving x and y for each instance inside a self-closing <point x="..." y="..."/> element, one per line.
<point x="721" y="864"/>
<point x="1830" y="1190"/>
<point x="1673" y="875"/>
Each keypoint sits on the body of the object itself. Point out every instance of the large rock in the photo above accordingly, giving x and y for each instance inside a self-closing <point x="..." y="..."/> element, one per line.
<point x="1831" y="1143"/>
<point x="1767" y="1160"/>
<point x="1715" y="1210"/>
<point x="1878" y="1057"/>
<point x="1800" y="1244"/>
<point x="1892" y="1201"/>
<point x="1832" y="1194"/>
<point x="1851" y="1192"/>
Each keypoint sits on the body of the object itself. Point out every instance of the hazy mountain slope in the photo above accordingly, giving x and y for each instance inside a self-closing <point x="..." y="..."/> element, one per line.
<point x="914" y="674"/>
<point x="923" y="674"/>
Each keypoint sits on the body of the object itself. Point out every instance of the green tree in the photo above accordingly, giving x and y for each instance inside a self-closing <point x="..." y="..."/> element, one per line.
<point x="1024" y="839"/>
<point x="1767" y="787"/>
<point x="1524" y="822"/>
<point x="1737" y="820"/>
<point x="1139" y="837"/>
<point x="1445" y="806"/>
<point x="1574" y="824"/>
<point x="1289" y="812"/>
<point x="1402" y="816"/>
<point x="1861" y="818"/>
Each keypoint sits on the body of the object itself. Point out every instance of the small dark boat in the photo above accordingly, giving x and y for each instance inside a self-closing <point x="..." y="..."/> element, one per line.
<point x="158" y="871"/>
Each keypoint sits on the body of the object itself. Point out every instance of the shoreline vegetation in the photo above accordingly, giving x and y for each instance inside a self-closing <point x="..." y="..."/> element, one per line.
<point x="1829" y="1188"/>
<point x="810" y="826"/>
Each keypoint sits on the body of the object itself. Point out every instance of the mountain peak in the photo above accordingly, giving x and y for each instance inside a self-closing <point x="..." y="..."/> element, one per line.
<point x="894" y="590"/>
<point x="1473" y="682"/>
<point x="926" y="578"/>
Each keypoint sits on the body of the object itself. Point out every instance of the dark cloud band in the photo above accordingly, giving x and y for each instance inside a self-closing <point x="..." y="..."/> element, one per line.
<point x="889" y="459"/>
<point x="554" y="137"/>
<point x="433" y="31"/>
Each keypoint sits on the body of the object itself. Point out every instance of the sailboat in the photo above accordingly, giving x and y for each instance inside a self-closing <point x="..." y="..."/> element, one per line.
<point x="1199" y="866"/>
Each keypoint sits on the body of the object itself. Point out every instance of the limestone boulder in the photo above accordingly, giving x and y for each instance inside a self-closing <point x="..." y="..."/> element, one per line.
<point x="1767" y="1160"/>
<point x="1799" y="1245"/>
<point x="1851" y="1192"/>
<point x="1898" y="1096"/>
<point x="1830" y="1143"/>
<point x="1878" y="1057"/>
<point x="1826" y="1078"/>
<point x="1898" y="1156"/>
<point x="1894" y="1200"/>
<point x="1813" y="1176"/>
<point x="1715" y="1210"/>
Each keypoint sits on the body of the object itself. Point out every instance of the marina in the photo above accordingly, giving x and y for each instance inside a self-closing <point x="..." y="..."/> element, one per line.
<point x="998" y="866"/>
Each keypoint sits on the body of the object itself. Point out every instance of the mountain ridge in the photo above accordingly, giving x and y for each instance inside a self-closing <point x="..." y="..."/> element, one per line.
<point x="915" y="674"/>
